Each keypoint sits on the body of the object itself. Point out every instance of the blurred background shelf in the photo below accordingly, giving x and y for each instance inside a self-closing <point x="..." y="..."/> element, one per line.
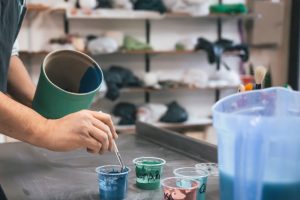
<point x="134" y="15"/>
<point x="174" y="89"/>
<point x="142" y="15"/>
<point x="31" y="7"/>
<point x="149" y="52"/>
<point x="194" y="123"/>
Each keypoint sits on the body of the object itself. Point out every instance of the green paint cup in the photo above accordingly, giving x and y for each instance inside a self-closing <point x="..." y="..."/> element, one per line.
<point x="148" y="172"/>
<point x="68" y="82"/>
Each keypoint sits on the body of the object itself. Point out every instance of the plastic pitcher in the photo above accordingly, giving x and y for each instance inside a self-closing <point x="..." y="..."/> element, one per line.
<point x="259" y="145"/>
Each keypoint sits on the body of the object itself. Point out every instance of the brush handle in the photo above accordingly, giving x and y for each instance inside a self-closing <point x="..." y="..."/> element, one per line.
<point x="257" y="86"/>
<point x="118" y="155"/>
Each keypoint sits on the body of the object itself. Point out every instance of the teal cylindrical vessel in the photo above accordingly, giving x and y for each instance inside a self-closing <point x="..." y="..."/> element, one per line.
<point x="68" y="82"/>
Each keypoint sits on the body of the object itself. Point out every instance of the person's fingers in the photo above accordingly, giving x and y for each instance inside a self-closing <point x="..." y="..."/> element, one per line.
<point x="106" y="118"/>
<point x="92" y="145"/>
<point x="101" y="137"/>
<point x="100" y="125"/>
<point x="91" y="151"/>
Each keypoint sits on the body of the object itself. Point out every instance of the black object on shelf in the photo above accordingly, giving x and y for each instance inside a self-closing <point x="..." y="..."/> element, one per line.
<point x="127" y="113"/>
<point x="174" y="114"/>
<point x="216" y="49"/>
<point x="104" y="4"/>
<point x="152" y="5"/>
<point x="117" y="77"/>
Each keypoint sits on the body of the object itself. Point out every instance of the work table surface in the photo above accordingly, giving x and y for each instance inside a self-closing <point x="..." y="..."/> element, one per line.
<point x="27" y="172"/>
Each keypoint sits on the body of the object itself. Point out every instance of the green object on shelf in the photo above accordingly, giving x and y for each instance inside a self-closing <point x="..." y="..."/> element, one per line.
<point x="229" y="8"/>
<point x="132" y="44"/>
<point x="179" y="47"/>
<point x="251" y="69"/>
<point x="268" y="80"/>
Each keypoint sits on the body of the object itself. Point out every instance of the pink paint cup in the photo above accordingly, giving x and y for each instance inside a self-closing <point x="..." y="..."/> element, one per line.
<point x="177" y="188"/>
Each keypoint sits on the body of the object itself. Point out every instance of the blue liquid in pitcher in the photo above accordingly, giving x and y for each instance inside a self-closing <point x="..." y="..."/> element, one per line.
<point x="271" y="191"/>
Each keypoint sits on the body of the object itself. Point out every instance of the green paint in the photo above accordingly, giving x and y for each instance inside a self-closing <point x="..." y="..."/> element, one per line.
<point x="148" y="174"/>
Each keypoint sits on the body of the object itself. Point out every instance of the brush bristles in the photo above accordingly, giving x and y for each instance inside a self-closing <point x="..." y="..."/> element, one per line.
<point x="260" y="73"/>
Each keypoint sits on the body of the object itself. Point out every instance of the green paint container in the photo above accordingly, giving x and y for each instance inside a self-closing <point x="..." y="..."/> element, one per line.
<point x="148" y="172"/>
<point x="68" y="82"/>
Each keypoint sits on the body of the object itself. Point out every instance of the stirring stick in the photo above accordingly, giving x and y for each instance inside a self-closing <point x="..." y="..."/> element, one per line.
<point x="118" y="156"/>
<point x="117" y="153"/>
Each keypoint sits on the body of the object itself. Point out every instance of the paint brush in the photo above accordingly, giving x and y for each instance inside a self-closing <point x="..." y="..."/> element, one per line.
<point x="260" y="73"/>
<point x="119" y="156"/>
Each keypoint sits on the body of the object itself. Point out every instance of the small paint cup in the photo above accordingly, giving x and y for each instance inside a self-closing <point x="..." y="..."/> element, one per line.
<point x="178" y="188"/>
<point x="148" y="172"/>
<point x="196" y="174"/>
<point x="113" y="184"/>
<point x="211" y="168"/>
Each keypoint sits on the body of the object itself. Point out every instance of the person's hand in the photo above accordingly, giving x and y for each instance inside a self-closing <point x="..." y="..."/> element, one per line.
<point x="84" y="129"/>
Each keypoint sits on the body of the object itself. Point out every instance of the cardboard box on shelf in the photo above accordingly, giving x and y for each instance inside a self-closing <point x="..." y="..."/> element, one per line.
<point x="268" y="28"/>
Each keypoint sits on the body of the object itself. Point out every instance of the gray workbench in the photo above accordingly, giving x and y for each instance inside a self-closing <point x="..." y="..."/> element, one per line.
<point x="27" y="172"/>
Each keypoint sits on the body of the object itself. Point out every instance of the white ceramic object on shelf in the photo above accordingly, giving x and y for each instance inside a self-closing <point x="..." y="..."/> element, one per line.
<point x="151" y="112"/>
<point x="102" y="45"/>
<point x="196" y="78"/>
<point x="88" y="4"/>
<point x="151" y="79"/>
<point x="118" y="36"/>
<point x="193" y="7"/>
<point x="123" y="4"/>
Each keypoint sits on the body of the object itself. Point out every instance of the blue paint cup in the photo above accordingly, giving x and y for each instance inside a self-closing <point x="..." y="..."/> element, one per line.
<point x="113" y="184"/>
<point x="196" y="174"/>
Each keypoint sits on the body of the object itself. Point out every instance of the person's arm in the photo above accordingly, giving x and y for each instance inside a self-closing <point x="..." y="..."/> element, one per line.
<point x="85" y="129"/>
<point x="20" y="86"/>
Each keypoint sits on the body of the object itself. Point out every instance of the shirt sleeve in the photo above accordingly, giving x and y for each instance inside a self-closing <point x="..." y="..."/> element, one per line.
<point x="15" y="50"/>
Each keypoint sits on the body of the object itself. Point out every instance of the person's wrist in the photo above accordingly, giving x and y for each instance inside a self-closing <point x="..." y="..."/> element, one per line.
<point x="40" y="133"/>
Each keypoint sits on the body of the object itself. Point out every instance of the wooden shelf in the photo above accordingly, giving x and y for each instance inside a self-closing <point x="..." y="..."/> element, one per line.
<point x="151" y="52"/>
<point x="156" y="16"/>
<point x="41" y="8"/>
<point x="138" y="90"/>
<point x="33" y="53"/>
<point x="171" y="52"/>
<point x="213" y="16"/>
<point x="136" y="15"/>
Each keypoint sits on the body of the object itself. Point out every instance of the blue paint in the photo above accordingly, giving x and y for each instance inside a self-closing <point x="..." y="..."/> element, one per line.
<point x="90" y="80"/>
<point x="113" y="183"/>
<point x="271" y="191"/>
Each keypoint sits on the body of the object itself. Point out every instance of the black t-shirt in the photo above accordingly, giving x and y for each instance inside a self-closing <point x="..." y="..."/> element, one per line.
<point x="9" y="27"/>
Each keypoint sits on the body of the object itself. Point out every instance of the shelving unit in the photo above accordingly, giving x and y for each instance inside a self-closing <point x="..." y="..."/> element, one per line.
<point x="152" y="53"/>
<point x="152" y="16"/>
<point x="141" y="15"/>
<point x="171" y="89"/>
<point x="138" y="15"/>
